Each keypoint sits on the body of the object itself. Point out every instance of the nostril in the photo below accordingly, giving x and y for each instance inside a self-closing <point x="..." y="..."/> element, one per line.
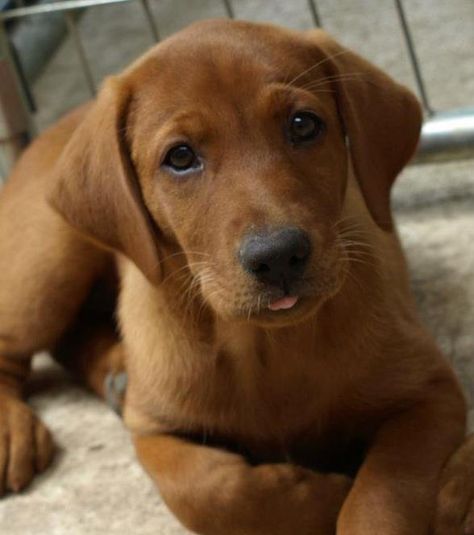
<point x="261" y="269"/>
<point x="295" y="260"/>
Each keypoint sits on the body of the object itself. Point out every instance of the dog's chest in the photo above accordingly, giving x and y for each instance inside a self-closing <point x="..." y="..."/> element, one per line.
<point x="258" y="393"/>
<point x="246" y="383"/>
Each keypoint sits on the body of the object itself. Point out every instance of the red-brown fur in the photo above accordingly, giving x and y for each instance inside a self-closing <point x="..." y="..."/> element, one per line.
<point x="240" y="414"/>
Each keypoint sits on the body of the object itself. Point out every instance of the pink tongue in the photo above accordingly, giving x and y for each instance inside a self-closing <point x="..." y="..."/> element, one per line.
<point x="283" y="304"/>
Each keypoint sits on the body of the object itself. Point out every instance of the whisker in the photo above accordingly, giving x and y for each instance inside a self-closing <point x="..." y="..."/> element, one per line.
<point x="249" y="313"/>
<point x="348" y="273"/>
<point x="323" y="90"/>
<point x="349" y="232"/>
<point x="360" y="261"/>
<point x="347" y="218"/>
<point x="348" y="240"/>
<point x="344" y="77"/>
<point x="182" y="268"/>
<point x="319" y="63"/>
<point x="354" y="253"/>
<point x="182" y="253"/>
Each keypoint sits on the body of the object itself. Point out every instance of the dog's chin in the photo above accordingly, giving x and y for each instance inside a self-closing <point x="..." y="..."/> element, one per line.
<point x="268" y="307"/>
<point x="275" y="312"/>
<point x="303" y="309"/>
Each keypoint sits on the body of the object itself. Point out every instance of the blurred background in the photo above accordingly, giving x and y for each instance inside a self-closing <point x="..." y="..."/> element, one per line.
<point x="53" y="56"/>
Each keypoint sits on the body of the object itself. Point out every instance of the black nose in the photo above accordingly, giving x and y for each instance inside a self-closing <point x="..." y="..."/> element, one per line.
<point x="276" y="257"/>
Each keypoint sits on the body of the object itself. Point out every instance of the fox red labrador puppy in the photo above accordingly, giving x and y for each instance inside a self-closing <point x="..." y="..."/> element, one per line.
<point x="234" y="183"/>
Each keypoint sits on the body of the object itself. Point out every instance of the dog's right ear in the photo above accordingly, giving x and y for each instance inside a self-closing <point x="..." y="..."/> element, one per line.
<point x="96" y="189"/>
<point x="381" y="118"/>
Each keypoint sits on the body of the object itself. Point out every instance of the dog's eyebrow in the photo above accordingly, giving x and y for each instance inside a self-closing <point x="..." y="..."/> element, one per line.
<point x="284" y="95"/>
<point x="182" y="121"/>
<point x="185" y="116"/>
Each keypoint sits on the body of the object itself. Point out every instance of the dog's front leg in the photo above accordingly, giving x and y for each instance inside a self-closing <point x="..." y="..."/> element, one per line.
<point x="214" y="492"/>
<point x="455" y="508"/>
<point x="395" y="490"/>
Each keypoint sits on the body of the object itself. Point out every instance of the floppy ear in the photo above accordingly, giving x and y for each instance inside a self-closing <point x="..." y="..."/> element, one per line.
<point x="382" y="120"/>
<point x="96" y="189"/>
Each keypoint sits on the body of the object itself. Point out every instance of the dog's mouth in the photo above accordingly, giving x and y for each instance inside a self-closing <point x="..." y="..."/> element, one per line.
<point x="278" y="307"/>
<point x="285" y="303"/>
<point x="272" y="306"/>
<point x="240" y="297"/>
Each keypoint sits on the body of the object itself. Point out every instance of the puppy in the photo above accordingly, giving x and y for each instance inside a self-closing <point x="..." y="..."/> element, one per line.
<point x="236" y="181"/>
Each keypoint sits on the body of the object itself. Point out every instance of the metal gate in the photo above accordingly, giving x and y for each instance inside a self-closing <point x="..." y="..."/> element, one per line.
<point x="445" y="136"/>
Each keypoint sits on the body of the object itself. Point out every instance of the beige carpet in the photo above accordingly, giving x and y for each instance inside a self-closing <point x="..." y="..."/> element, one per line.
<point x="95" y="486"/>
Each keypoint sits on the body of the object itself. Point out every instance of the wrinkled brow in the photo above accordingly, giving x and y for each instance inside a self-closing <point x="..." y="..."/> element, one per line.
<point x="190" y="124"/>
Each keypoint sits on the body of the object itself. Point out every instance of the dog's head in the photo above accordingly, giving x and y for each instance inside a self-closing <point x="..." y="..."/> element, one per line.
<point x="228" y="144"/>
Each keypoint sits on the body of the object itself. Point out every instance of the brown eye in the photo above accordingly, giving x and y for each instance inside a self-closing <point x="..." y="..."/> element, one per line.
<point x="182" y="158"/>
<point x="305" y="126"/>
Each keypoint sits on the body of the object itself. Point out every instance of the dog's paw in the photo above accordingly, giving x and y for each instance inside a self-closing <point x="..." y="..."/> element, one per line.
<point x="310" y="502"/>
<point x="455" y="507"/>
<point x="26" y="447"/>
<point x="469" y="521"/>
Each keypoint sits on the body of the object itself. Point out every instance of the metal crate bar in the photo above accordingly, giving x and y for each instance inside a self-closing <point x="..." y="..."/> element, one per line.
<point x="413" y="57"/>
<point x="313" y="8"/>
<point x="55" y="7"/>
<point x="151" y="21"/>
<point x="68" y="8"/>
<point x="447" y="136"/>
<point x="229" y="9"/>
<point x="16" y="128"/>
<point x="75" y="35"/>
<point x="72" y="5"/>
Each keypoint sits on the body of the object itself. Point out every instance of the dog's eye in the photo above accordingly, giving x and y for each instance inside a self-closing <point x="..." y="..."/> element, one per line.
<point x="181" y="158"/>
<point x="305" y="126"/>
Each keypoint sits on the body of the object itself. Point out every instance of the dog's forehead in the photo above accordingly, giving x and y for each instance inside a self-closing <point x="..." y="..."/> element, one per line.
<point x="239" y="38"/>
<point x="214" y="55"/>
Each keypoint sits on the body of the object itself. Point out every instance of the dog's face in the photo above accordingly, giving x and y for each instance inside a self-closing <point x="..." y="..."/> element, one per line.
<point x="245" y="170"/>
<point x="231" y="142"/>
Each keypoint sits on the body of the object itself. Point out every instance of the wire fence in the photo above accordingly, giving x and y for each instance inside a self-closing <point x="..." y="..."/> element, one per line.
<point x="445" y="136"/>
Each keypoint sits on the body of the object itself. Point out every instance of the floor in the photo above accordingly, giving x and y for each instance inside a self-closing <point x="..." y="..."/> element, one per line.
<point x="95" y="486"/>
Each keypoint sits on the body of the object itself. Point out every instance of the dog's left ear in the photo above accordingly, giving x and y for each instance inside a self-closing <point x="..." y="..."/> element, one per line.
<point x="382" y="120"/>
<point x="96" y="189"/>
